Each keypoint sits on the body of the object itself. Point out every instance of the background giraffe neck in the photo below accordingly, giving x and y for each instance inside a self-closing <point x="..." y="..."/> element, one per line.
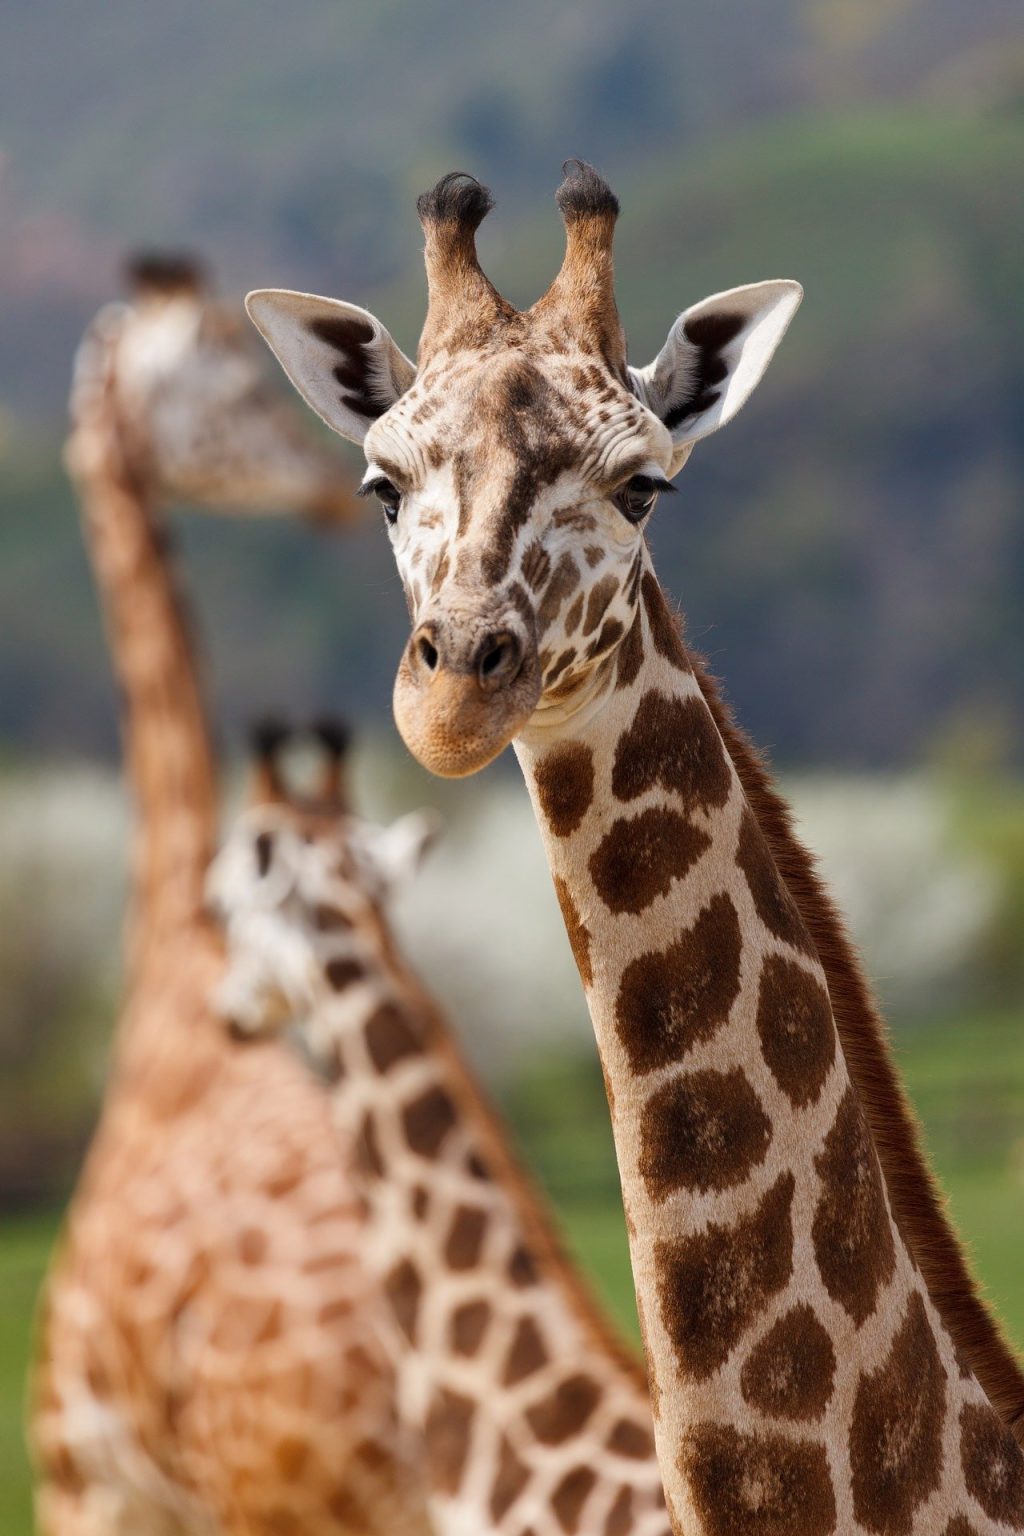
<point x="762" y="1245"/>
<point x="504" y="1364"/>
<point x="167" y="748"/>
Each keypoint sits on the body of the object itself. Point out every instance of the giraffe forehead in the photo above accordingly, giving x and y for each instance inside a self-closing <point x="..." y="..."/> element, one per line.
<point x="517" y="421"/>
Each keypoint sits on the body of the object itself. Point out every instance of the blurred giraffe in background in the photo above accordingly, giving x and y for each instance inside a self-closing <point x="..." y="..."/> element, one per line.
<point x="533" y="1420"/>
<point x="207" y="1358"/>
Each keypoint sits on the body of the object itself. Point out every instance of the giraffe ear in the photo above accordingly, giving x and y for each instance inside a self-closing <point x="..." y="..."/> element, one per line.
<point x="340" y="358"/>
<point x="399" y="850"/>
<point x="714" y="357"/>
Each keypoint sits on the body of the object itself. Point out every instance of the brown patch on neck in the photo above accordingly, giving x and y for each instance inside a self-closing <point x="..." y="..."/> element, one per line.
<point x="918" y="1206"/>
<point x="541" y="1252"/>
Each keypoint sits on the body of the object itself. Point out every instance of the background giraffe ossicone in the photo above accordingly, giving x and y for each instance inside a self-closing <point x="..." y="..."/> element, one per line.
<point x="819" y="1357"/>
<point x="207" y="1358"/>
<point x="530" y="1416"/>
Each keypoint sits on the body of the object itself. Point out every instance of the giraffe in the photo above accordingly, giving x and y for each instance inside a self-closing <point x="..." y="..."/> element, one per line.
<point x="819" y="1358"/>
<point x="530" y="1416"/>
<point x="208" y="1357"/>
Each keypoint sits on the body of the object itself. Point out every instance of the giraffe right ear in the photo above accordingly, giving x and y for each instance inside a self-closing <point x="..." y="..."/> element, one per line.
<point x="339" y="357"/>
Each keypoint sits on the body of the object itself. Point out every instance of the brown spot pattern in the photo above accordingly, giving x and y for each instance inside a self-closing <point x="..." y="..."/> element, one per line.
<point x="640" y="856"/>
<point x="775" y="906"/>
<point x="569" y="1497"/>
<point x="330" y="919"/>
<point x="672" y="743"/>
<point x="853" y="1242"/>
<point x="535" y="565"/>
<point x="664" y="625"/>
<point x="565" y="786"/>
<point x="993" y="1465"/>
<point x="631" y="655"/>
<point x="366" y="1149"/>
<point x="563" y="1412"/>
<point x="526" y="1354"/>
<point x="390" y="1037"/>
<point x="343" y="973"/>
<point x="896" y="1430"/>
<point x="468" y="1326"/>
<point x="758" y="1485"/>
<point x="959" y="1526"/>
<point x="704" y="1130"/>
<point x="713" y="1284"/>
<point x="465" y="1237"/>
<point x="577" y="931"/>
<point x="427" y="1121"/>
<point x="669" y="1000"/>
<point x="522" y="1267"/>
<point x="510" y="1481"/>
<point x="620" y="1515"/>
<point x="601" y="594"/>
<point x="563" y="583"/>
<point x="446" y="1433"/>
<point x="791" y="1372"/>
<point x="403" y="1288"/>
<point x="632" y="1440"/>
<point x="794" y="1021"/>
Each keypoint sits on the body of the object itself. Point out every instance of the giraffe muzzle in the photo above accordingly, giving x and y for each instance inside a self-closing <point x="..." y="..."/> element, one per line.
<point x="463" y="692"/>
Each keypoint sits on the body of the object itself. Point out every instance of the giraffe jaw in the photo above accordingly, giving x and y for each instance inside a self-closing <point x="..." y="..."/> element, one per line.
<point x="452" y="728"/>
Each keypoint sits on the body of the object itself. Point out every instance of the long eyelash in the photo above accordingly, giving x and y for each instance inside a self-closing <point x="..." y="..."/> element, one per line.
<point x="370" y="487"/>
<point x="660" y="484"/>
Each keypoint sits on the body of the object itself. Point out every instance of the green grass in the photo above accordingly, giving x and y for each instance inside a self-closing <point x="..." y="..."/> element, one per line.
<point x="966" y="1077"/>
<point x="24" y="1246"/>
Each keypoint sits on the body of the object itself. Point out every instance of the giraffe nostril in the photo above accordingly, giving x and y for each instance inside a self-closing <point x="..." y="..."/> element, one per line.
<point x="428" y="653"/>
<point x="493" y="658"/>
<point x="498" y="660"/>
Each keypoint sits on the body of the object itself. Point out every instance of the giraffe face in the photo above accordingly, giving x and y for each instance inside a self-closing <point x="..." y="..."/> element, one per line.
<point x="197" y="419"/>
<point x="515" y="494"/>
<point x="284" y="886"/>
<point x="518" y="460"/>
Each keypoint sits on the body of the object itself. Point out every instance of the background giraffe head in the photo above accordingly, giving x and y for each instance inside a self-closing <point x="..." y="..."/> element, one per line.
<point x="298" y="864"/>
<point x="518" y="460"/>
<point x="169" y="391"/>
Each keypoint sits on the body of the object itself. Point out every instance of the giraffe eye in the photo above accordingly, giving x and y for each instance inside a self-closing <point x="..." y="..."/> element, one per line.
<point x="636" y="498"/>
<point x="389" y="496"/>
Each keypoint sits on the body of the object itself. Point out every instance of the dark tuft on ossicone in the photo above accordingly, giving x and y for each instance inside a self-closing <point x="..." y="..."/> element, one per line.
<point x="163" y="272"/>
<point x="458" y="198"/>
<point x="584" y="193"/>
<point x="267" y="736"/>
<point x="333" y="733"/>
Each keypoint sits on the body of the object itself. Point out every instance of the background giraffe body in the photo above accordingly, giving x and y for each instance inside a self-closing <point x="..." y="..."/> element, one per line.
<point x="799" y="1303"/>
<point x="532" y="1419"/>
<point x="208" y="1360"/>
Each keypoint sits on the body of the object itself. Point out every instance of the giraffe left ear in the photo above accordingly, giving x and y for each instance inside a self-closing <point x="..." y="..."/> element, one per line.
<point x="397" y="851"/>
<point x="340" y="358"/>
<point x="714" y="357"/>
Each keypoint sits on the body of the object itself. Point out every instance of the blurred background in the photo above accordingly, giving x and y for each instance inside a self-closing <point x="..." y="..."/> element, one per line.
<point x="850" y="553"/>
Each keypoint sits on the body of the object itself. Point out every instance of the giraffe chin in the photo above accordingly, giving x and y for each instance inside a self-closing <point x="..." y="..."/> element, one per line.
<point x="453" y="729"/>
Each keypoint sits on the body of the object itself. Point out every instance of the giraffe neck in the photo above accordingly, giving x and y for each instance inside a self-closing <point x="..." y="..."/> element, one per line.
<point x="787" y="1327"/>
<point x="531" y="1416"/>
<point x="169" y="757"/>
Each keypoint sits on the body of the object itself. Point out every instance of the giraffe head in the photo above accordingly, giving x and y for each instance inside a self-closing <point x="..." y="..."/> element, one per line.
<point x="519" y="459"/>
<point x="170" y="382"/>
<point x="298" y="870"/>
